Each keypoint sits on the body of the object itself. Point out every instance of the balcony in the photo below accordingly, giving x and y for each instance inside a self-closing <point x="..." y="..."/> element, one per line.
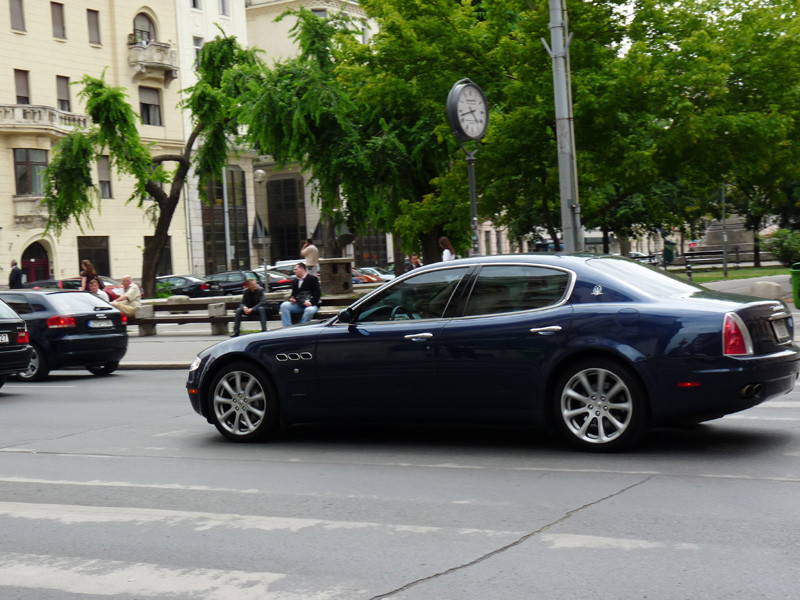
<point x="152" y="60"/>
<point x="28" y="118"/>
<point x="28" y="213"/>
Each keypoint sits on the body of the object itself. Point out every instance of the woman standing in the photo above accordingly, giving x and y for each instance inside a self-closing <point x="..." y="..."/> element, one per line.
<point x="447" y="249"/>
<point x="87" y="274"/>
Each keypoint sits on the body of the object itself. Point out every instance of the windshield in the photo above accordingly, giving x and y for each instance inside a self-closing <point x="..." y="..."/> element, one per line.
<point x="6" y="312"/>
<point x="647" y="280"/>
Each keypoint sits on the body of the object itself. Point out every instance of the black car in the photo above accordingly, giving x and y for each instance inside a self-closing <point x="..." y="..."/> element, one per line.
<point x="234" y="282"/>
<point x="69" y="329"/>
<point x="189" y="285"/>
<point x="601" y="347"/>
<point x="15" y="353"/>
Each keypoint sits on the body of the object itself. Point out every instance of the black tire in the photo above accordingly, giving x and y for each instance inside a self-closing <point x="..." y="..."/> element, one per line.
<point x="38" y="369"/>
<point x="600" y="406"/>
<point x="103" y="369"/>
<point x="3" y="380"/>
<point x="243" y="403"/>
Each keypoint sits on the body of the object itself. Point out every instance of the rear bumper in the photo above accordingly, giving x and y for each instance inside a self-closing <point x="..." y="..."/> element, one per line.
<point x="80" y="350"/>
<point x="14" y="360"/>
<point x="724" y="386"/>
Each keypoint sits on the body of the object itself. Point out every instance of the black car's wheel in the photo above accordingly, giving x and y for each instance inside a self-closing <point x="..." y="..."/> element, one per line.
<point x="38" y="369"/>
<point x="243" y="403"/>
<point x="600" y="406"/>
<point x="103" y="368"/>
<point x="2" y="380"/>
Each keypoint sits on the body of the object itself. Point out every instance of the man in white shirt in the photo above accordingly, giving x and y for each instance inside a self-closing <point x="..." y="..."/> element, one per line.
<point x="310" y="254"/>
<point x="130" y="299"/>
<point x="94" y="288"/>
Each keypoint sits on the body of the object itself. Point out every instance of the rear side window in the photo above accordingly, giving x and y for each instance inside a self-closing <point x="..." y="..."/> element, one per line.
<point x="13" y="305"/>
<point x="511" y="288"/>
<point x="7" y="312"/>
<point x="71" y="303"/>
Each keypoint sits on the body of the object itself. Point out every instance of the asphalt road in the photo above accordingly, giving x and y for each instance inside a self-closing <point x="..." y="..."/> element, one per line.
<point x="113" y="488"/>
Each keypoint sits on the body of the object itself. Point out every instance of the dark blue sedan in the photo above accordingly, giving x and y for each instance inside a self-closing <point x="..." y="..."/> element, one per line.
<point x="600" y="347"/>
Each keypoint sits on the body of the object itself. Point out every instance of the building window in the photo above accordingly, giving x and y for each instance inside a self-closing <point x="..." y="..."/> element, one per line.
<point x="94" y="248"/>
<point x="197" y="42"/>
<point x="29" y="166"/>
<point x="223" y="7"/>
<point x="214" y="223"/>
<point x="286" y="208"/>
<point x="197" y="4"/>
<point x="62" y="92"/>
<point x="144" y="31"/>
<point x="164" y="266"/>
<point x="150" y="106"/>
<point x="104" y="176"/>
<point x="17" y="15"/>
<point x="21" y="82"/>
<point x="93" y="20"/>
<point x="57" y="12"/>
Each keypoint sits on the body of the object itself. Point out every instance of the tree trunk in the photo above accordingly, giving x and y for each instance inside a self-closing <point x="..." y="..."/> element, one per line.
<point x="154" y="250"/>
<point x="756" y="243"/>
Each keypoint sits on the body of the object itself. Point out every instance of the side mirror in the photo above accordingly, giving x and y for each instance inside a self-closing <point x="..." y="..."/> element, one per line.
<point x="346" y="316"/>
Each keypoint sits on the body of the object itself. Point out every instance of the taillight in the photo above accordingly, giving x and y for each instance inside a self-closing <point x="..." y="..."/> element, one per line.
<point x="204" y="286"/>
<point x="22" y="337"/>
<point x="735" y="337"/>
<point x="124" y="318"/>
<point x="60" y="321"/>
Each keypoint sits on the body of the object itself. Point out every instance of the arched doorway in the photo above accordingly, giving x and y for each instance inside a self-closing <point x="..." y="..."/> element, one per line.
<point x="35" y="265"/>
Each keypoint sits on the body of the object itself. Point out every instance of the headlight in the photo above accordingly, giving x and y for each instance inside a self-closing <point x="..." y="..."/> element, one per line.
<point x="195" y="364"/>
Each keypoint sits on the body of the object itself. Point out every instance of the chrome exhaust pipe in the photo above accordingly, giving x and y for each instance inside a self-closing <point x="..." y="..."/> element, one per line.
<point x="750" y="390"/>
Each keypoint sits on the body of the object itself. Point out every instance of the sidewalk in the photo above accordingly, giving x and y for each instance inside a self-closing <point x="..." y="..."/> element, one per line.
<point x="177" y="347"/>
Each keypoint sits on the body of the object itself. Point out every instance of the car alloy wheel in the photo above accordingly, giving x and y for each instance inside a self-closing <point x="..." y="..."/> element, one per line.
<point x="243" y="403"/>
<point x="600" y="406"/>
<point x="38" y="368"/>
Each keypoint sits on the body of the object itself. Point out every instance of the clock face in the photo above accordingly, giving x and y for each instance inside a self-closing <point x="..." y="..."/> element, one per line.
<point x="472" y="112"/>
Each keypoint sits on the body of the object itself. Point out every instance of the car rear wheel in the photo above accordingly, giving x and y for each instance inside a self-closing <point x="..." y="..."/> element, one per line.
<point x="244" y="405"/>
<point x="38" y="369"/>
<point x="599" y="405"/>
<point x="103" y="369"/>
<point x="2" y="380"/>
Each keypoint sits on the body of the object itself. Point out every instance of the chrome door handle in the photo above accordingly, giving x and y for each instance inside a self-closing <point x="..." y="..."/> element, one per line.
<point x="418" y="337"/>
<point x="546" y="330"/>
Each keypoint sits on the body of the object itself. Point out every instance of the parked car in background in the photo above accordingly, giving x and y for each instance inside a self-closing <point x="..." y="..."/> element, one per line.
<point x="234" y="282"/>
<point x="276" y="280"/>
<point x="189" y="285"/>
<point x="648" y="259"/>
<point x="69" y="329"/>
<point x="15" y="352"/>
<point x="601" y="347"/>
<point x="111" y="287"/>
<point x="360" y="277"/>
<point x="383" y="274"/>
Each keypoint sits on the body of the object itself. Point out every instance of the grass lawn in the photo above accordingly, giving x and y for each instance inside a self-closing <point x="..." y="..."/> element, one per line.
<point x="704" y="274"/>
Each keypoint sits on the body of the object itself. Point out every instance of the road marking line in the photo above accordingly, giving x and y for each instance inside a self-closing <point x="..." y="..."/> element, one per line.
<point x="560" y="541"/>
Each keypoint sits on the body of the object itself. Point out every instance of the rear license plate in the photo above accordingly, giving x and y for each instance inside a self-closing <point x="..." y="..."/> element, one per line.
<point x="781" y="330"/>
<point x="3" y="338"/>
<point x="100" y="324"/>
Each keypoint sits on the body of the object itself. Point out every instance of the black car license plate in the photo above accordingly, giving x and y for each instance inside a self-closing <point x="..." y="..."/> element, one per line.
<point x="781" y="330"/>
<point x="100" y="324"/>
<point x="3" y="338"/>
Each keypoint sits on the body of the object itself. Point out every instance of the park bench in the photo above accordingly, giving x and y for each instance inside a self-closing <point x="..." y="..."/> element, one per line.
<point x="217" y="312"/>
<point x="708" y="257"/>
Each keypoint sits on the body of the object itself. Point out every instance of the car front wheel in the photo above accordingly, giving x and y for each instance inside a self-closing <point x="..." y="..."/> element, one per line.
<point x="243" y="403"/>
<point x="38" y="369"/>
<point x="599" y="405"/>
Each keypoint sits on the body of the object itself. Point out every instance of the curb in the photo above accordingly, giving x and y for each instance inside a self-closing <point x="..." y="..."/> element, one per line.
<point x="151" y="366"/>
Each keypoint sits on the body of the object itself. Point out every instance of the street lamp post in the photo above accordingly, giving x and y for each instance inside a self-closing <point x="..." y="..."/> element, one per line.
<point x="468" y="115"/>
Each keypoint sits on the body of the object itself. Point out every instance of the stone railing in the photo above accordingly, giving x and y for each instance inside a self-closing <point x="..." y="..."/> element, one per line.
<point x="30" y="116"/>
<point x="153" y="60"/>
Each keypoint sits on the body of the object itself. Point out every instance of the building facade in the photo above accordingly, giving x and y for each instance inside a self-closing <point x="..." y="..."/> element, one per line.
<point x="48" y="47"/>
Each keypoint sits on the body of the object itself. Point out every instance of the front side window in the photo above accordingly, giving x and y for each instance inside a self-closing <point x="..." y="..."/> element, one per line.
<point x="150" y="106"/>
<point x="510" y="288"/>
<point x="144" y="31"/>
<point x="423" y="296"/>
<point x="104" y="176"/>
<point x="62" y="91"/>
<point x="93" y="21"/>
<point x="17" y="15"/>
<point x="21" y="83"/>
<point x="29" y="166"/>
<point x="57" y="12"/>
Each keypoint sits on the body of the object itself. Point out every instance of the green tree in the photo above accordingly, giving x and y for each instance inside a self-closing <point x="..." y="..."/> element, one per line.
<point x="70" y="194"/>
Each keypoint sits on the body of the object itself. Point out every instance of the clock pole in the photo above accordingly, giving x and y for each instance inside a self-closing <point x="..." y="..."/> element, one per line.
<point x="468" y="114"/>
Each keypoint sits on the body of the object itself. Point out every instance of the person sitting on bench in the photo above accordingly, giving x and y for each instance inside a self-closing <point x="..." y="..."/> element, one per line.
<point x="304" y="299"/>
<point x="252" y="300"/>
